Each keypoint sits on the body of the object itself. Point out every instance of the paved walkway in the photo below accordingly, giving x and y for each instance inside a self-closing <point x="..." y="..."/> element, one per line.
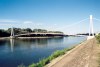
<point x="84" y="56"/>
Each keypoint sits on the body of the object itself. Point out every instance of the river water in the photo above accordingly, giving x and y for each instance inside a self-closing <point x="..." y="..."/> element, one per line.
<point x="14" y="52"/>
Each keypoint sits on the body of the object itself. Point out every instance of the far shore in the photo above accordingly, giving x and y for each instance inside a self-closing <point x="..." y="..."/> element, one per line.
<point x="3" y="38"/>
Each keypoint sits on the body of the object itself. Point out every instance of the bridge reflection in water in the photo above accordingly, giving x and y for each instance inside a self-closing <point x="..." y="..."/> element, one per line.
<point x="12" y="44"/>
<point x="34" y="43"/>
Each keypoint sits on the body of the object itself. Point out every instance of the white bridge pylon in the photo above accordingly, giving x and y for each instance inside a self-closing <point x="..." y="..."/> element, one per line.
<point x="12" y="33"/>
<point x="91" y="30"/>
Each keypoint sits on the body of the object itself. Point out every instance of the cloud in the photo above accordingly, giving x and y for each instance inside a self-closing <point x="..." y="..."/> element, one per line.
<point x="39" y="24"/>
<point x="33" y="23"/>
<point x="55" y="24"/>
<point x="14" y="23"/>
<point x="27" y="22"/>
<point x="5" y="24"/>
<point x="7" y="21"/>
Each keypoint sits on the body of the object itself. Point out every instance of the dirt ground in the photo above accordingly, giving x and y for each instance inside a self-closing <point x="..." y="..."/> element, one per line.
<point x="85" y="55"/>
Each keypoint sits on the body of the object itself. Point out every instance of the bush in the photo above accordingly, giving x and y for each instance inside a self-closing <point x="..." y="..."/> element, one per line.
<point x="98" y="38"/>
<point x="32" y="65"/>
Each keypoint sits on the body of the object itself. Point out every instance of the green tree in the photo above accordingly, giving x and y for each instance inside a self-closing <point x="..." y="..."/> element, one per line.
<point x="4" y="33"/>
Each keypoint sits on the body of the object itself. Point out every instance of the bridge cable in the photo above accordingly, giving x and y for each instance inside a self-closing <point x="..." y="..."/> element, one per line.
<point x="73" y="24"/>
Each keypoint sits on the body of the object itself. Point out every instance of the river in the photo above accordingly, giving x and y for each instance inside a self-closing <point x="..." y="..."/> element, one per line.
<point x="14" y="52"/>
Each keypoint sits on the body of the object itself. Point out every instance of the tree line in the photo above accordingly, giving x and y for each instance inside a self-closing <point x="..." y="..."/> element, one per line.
<point x="6" y="33"/>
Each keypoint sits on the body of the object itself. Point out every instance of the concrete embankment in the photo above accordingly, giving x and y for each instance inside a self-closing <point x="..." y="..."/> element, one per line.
<point x="83" y="55"/>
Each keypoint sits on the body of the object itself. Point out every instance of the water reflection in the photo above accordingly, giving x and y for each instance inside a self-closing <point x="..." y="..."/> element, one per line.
<point x="2" y="42"/>
<point x="12" y="44"/>
<point x="16" y="51"/>
<point x="34" y="43"/>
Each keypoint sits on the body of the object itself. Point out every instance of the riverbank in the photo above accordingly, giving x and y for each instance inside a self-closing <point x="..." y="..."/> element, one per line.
<point x="53" y="58"/>
<point x="37" y="37"/>
<point x="3" y="38"/>
<point x="98" y="43"/>
<point x="56" y="60"/>
<point x="55" y="55"/>
<point x="84" y="55"/>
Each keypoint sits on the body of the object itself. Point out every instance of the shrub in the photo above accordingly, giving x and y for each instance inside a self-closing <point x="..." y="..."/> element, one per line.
<point x="98" y="38"/>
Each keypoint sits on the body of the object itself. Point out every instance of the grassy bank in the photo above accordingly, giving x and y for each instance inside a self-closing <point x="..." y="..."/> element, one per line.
<point x="47" y="60"/>
<point x="98" y="43"/>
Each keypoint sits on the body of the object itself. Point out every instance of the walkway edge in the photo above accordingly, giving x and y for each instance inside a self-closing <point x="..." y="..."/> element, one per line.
<point x="53" y="62"/>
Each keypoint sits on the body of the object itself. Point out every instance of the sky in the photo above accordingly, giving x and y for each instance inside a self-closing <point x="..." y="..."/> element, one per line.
<point x="68" y="16"/>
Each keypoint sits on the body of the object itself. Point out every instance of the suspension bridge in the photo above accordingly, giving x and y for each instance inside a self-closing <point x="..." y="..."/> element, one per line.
<point x="91" y="30"/>
<point x="36" y="35"/>
<point x="83" y="55"/>
<point x="80" y="56"/>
